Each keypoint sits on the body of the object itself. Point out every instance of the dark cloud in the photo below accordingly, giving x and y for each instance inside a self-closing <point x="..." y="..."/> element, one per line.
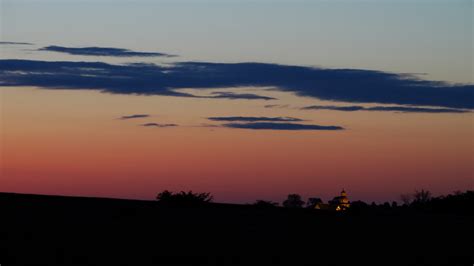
<point x="101" y="51"/>
<point x="15" y="43"/>
<point x="254" y="119"/>
<point x="159" y="125"/>
<point x="134" y="116"/>
<point x="143" y="79"/>
<point x="237" y="96"/>
<point x="347" y="85"/>
<point x="280" y="126"/>
<point x="402" y="109"/>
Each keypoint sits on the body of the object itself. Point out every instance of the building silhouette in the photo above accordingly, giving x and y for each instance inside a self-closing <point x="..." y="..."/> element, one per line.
<point x="338" y="203"/>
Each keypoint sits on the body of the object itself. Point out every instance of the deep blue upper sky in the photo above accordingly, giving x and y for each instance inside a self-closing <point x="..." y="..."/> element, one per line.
<point x="418" y="36"/>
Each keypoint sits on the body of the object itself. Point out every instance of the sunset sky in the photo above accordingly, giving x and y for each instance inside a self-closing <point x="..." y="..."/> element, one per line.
<point x="250" y="99"/>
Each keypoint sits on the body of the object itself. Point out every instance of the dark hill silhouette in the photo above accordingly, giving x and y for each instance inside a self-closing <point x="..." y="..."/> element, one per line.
<point x="56" y="230"/>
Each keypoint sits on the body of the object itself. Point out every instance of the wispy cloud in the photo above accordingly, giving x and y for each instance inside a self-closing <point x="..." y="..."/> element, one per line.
<point x="238" y="96"/>
<point x="346" y="85"/>
<point x="101" y="51"/>
<point x="415" y="109"/>
<point x="254" y="119"/>
<point x="279" y="126"/>
<point x="401" y="109"/>
<point x="333" y="108"/>
<point x="158" y="125"/>
<point x="125" y="117"/>
<point x="15" y="43"/>
<point x="276" y="106"/>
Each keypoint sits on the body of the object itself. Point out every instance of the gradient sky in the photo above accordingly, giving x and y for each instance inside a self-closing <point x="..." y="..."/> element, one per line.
<point x="73" y="142"/>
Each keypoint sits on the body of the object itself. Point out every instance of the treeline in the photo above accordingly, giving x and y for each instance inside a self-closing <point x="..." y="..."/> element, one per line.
<point x="419" y="201"/>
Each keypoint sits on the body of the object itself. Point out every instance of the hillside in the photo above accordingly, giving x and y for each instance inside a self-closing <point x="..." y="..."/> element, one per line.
<point x="54" y="230"/>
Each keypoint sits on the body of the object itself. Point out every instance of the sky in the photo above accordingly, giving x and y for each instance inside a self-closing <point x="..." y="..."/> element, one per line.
<point x="247" y="100"/>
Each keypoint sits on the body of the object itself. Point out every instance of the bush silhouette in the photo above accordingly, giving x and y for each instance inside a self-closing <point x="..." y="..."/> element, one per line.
<point x="265" y="204"/>
<point x="183" y="198"/>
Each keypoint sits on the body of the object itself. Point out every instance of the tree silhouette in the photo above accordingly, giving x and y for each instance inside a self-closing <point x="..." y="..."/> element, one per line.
<point x="293" y="201"/>
<point x="312" y="202"/>
<point x="183" y="198"/>
<point x="459" y="203"/>
<point x="406" y="199"/>
<point x="359" y="206"/>
<point x="422" y="196"/>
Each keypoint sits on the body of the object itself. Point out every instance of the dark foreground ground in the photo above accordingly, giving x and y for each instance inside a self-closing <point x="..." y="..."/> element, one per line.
<point x="48" y="230"/>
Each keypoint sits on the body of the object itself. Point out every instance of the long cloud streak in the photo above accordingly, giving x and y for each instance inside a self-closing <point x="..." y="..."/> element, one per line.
<point x="347" y="85"/>
<point x="401" y="109"/>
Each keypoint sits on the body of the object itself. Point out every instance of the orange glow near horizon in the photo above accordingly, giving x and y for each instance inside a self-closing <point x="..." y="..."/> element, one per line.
<point x="71" y="143"/>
